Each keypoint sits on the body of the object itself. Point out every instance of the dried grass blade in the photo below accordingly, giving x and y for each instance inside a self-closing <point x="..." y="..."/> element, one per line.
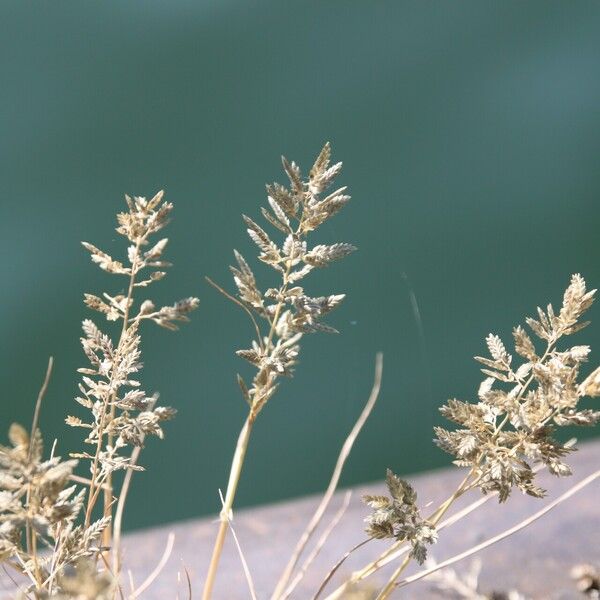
<point x="189" y="582"/>
<point x="236" y="301"/>
<point x="319" y="545"/>
<point x="335" y="477"/>
<point x="18" y="587"/>
<point x="118" y="522"/>
<point x="159" y="567"/>
<point x="337" y="565"/>
<point x="38" y="404"/>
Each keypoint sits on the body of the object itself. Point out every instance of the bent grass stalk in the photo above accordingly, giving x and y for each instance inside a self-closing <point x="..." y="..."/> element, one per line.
<point x="30" y="533"/>
<point x="245" y="567"/>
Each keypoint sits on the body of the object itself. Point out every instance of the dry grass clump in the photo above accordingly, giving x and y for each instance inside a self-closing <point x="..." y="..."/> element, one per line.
<point x="61" y="531"/>
<point x="44" y="505"/>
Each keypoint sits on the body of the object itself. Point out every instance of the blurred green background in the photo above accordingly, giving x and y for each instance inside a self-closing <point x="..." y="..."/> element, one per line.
<point x="470" y="134"/>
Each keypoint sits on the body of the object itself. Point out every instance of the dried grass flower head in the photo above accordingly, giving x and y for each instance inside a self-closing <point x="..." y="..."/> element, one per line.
<point x="512" y="427"/>
<point x="122" y="413"/>
<point x="287" y="310"/>
<point x="83" y="581"/>
<point x="398" y="517"/>
<point x="587" y="579"/>
<point x="36" y="494"/>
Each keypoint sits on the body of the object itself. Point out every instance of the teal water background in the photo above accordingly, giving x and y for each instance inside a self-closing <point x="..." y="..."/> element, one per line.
<point x="470" y="134"/>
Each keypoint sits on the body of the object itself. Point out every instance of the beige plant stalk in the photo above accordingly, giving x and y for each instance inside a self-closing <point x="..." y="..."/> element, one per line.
<point x="285" y="311"/>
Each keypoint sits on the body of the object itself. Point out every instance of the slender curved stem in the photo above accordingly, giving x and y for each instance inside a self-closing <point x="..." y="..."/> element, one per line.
<point x="337" y="565"/>
<point x="318" y="547"/>
<point x="333" y="483"/>
<point x="30" y="534"/>
<point x="118" y="522"/>
<point x="38" y="405"/>
<point x="245" y="566"/>
<point x="159" y="567"/>
<point x="240" y="304"/>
